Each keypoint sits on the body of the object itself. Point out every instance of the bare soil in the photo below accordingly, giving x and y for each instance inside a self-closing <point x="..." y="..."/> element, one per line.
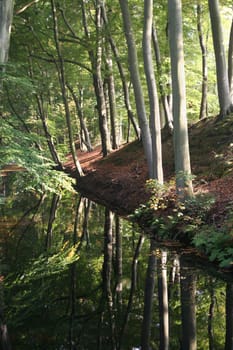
<point x="118" y="180"/>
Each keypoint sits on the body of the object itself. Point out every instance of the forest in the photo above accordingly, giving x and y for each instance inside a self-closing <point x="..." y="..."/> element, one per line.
<point x="130" y="103"/>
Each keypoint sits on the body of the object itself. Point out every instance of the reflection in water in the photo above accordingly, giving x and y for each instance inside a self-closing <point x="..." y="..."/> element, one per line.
<point x="76" y="276"/>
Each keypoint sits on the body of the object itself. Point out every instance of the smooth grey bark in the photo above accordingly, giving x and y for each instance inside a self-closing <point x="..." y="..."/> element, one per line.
<point x="163" y="301"/>
<point x="230" y="60"/>
<point x="122" y="75"/>
<point x="84" y="134"/>
<point x="204" y="89"/>
<point x="62" y="81"/>
<point x="148" y="297"/>
<point x="135" y="78"/>
<point x="96" y="66"/>
<point x="224" y="96"/>
<point x="6" y="16"/>
<point x="180" y="132"/>
<point x="155" y="127"/>
<point x="99" y="84"/>
<point x="164" y="98"/>
<point x="111" y="96"/>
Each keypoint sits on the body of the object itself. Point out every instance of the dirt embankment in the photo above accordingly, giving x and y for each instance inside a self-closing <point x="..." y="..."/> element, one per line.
<point x="118" y="181"/>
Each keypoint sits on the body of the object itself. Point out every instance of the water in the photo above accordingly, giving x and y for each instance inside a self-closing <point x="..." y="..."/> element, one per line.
<point x="76" y="276"/>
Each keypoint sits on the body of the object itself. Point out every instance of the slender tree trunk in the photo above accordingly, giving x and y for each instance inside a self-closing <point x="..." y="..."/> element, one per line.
<point x="229" y="317"/>
<point x="135" y="78"/>
<point x="99" y="86"/>
<point x="122" y="75"/>
<point x="163" y="301"/>
<point x="204" y="90"/>
<point x="230" y="60"/>
<point x="148" y="297"/>
<point x="83" y="127"/>
<point x="224" y="96"/>
<point x="157" y="167"/>
<point x="61" y="74"/>
<point x="6" y="16"/>
<point x="111" y="96"/>
<point x="164" y="98"/>
<point x="181" y="141"/>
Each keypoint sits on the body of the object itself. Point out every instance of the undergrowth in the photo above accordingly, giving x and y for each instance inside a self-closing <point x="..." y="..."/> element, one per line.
<point x="187" y="222"/>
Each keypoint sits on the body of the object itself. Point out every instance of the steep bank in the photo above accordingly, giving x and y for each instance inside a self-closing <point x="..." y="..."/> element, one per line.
<point x="118" y="180"/>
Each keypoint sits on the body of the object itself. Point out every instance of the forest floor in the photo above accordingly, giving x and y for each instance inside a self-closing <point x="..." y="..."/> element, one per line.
<point x="118" y="180"/>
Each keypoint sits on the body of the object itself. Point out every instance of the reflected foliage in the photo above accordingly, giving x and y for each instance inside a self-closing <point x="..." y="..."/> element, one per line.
<point x="85" y="289"/>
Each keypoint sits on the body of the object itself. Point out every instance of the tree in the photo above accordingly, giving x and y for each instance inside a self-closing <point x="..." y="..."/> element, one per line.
<point x="6" y="16"/>
<point x="181" y="142"/>
<point x="157" y="167"/>
<point x="224" y="96"/>
<point x="135" y="77"/>
<point x="230" y="60"/>
<point x="203" y="107"/>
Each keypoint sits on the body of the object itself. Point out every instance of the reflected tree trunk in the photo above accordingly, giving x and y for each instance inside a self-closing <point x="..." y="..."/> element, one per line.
<point x="163" y="301"/>
<point x="73" y="278"/>
<point x="229" y="317"/>
<point x="52" y="216"/>
<point x="211" y="315"/>
<point x="132" y="289"/>
<point x="118" y="261"/>
<point x="188" y="307"/>
<point x="148" y="297"/>
<point x="107" y="274"/>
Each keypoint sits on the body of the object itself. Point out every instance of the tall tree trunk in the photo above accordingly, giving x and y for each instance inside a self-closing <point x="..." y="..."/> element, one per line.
<point x="135" y="78"/>
<point x="203" y="107"/>
<point x="163" y="301"/>
<point x="230" y="60"/>
<point x="148" y="297"/>
<point x="229" y="317"/>
<point x="111" y="96"/>
<point x="157" y="167"/>
<point x="6" y="16"/>
<point x="61" y="74"/>
<point x="99" y="85"/>
<point x="83" y="127"/>
<point x="224" y="96"/>
<point x="181" y="141"/>
<point x="122" y="75"/>
<point x="164" y="98"/>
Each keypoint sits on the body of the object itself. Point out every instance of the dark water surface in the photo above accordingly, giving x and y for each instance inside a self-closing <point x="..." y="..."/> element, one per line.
<point x="76" y="276"/>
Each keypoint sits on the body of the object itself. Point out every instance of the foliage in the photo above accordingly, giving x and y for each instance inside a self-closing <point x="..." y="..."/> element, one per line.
<point x="217" y="242"/>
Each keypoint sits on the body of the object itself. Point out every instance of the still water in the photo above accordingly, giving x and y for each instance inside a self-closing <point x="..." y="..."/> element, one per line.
<point x="76" y="276"/>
